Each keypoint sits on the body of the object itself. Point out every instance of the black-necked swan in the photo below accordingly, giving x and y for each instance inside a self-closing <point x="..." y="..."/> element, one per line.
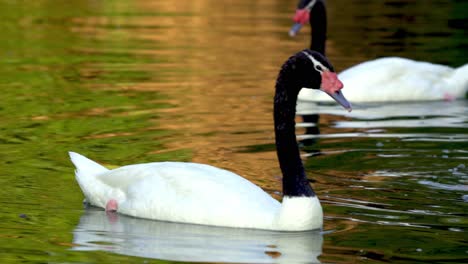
<point x="384" y="79"/>
<point x="202" y="194"/>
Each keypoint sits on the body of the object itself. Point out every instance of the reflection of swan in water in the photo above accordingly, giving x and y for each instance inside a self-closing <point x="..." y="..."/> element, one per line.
<point x="404" y="114"/>
<point x="373" y="119"/>
<point x="195" y="243"/>
<point x="311" y="125"/>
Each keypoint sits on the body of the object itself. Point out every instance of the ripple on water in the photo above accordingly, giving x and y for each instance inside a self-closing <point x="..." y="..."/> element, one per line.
<point x="447" y="187"/>
<point x="391" y="168"/>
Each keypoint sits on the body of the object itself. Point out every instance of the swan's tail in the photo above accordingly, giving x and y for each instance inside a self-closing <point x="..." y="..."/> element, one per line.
<point x="85" y="166"/>
<point x="460" y="79"/>
<point x="86" y="175"/>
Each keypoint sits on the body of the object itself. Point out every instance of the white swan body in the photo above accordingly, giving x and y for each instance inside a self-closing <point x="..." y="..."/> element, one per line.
<point x="398" y="79"/>
<point x="193" y="193"/>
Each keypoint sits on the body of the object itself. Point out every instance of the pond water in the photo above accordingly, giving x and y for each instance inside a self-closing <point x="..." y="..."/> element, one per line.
<point x="136" y="81"/>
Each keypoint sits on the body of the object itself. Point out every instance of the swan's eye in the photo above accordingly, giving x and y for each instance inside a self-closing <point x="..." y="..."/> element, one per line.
<point x="319" y="68"/>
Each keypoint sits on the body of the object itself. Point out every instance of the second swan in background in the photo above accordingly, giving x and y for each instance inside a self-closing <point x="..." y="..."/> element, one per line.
<point x="389" y="79"/>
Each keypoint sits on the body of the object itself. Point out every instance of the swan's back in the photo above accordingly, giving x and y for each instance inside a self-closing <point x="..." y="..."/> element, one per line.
<point x="180" y="192"/>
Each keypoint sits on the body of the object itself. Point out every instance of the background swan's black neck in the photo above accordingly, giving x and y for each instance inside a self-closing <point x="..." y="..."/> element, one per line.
<point x="288" y="84"/>
<point x="318" y="24"/>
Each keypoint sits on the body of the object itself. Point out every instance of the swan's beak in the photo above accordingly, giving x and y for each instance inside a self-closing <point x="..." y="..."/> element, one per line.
<point x="332" y="86"/>
<point x="339" y="98"/>
<point x="295" y="29"/>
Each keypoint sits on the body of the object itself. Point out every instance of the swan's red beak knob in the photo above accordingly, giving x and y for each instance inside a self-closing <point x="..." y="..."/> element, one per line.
<point x="302" y="16"/>
<point x="332" y="86"/>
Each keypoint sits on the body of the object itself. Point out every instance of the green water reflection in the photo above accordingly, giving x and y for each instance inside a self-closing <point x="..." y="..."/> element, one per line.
<point x="136" y="81"/>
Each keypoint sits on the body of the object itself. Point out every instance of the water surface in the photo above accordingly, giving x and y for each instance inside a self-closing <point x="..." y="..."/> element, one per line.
<point x="136" y="81"/>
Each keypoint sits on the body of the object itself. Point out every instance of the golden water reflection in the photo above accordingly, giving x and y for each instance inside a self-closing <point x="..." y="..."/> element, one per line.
<point x="134" y="81"/>
<point x="215" y="65"/>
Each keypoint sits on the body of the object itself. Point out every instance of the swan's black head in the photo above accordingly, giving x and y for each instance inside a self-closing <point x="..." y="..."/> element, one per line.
<point x="316" y="65"/>
<point x="310" y="69"/>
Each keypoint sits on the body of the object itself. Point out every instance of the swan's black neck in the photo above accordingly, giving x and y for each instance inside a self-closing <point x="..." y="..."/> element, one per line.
<point x="289" y="82"/>
<point x="318" y="23"/>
